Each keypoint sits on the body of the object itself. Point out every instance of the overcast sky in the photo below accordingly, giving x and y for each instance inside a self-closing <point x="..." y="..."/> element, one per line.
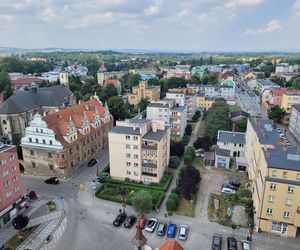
<point x="186" y="25"/>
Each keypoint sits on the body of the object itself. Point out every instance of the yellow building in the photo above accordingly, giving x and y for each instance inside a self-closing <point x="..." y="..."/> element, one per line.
<point x="291" y="97"/>
<point x="204" y="102"/>
<point x="139" y="149"/>
<point x="274" y="172"/>
<point x="144" y="91"/>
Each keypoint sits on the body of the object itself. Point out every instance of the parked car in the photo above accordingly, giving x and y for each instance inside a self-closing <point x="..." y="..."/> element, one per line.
<point x="227" y="191"/>
<point x="129" y="222"/>
<point x="161" y="228"/>
<point x="119" y="219"/>
<point x="246" y="245"/>
<point x="183" y="231"/>
<point x="282" y="136"/>
<point x="94" y="185"/>
<point x="235" y="183"/>
<point x="151" y="225"/>
<point x="52" y="180"/>
<point x="172" y="230"/>
<point x="227" y="185"/>
<point x="288" y="144"/>
<point x="279" y="130"/>
<point x="231" y="243"/>
<point x="92" y="162"/>
<point x="142" y="222"/>
<point x="216" y="242"/>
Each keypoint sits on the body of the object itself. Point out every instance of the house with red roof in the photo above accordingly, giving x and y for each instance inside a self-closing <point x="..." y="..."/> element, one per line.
<point x="59" y="143"/>
<point x="25" y="82"/>
<point x="115" y="82"/>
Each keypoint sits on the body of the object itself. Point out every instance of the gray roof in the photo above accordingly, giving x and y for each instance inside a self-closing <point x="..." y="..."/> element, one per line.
<point x="178" y="108"/>
<point x="125" y="130"/>
<point x="139" y="121"/>
<point x="209" y="156"/>
<point x="285" y="181"/>
<point x="158" y="105"/>
<point x="280" y="156"/>
<point x="222" y="152"/>
<point x="155" y="136"/>
<point x="238" y="113"/>
<point x="23" y="101"/>
<point x="232" y="137"/>
<point x="297" y="107"/>
<point x="4" y="147"/>
<point x="268" y="83"/>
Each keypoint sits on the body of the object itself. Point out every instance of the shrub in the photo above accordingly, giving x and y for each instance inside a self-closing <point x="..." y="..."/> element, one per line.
<point x="191" y="151"/>
<point x="233" y="225"/>
<point x="127" y="179"/>
<point x="174" y="191"/>
<point x="106" y="169"/>
<point x="185" y="140"/>
<point x="175" y="197"/>
<point x="203" y="142"/>
<point x="174" y="162"/>
<point x="189" y="178"/>
<point x="188" y="159"/>
<point x="171" y="204"/>
<point x="176" y="148"/>
<point x="188" y="129"/>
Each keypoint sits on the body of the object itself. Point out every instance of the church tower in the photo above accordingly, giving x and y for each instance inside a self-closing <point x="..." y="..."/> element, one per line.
<point x="100" y="74"/>
<point x="64" y="78"/>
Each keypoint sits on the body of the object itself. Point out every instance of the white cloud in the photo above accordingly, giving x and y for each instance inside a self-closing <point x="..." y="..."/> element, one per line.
<point x="243" y="3"/>
<point x="296" y="7"/>
<point x="271" y="27"/>
<point x="154" y="8"/>
<point x="6" y="18"/>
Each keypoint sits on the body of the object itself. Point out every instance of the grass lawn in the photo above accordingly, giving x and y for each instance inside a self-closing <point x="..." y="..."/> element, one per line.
<point x="193" y="124"/>
<point x="198" y="163"/>
<point x="200" y="129"/>
<point x="186" y="208"/>
<point x="14" y="242"/>
<point x="51" y="206"/>
<point x="234" y="108"/>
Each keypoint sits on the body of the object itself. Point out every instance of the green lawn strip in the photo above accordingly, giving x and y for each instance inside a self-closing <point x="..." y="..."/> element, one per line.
<point x="186" y="207"/>
<point x="112" y="192"/>
<point x="14" y="242"/>
<point x="198" y="163"/>
<point x="233" y="108"/>
<point x="162" y="186"/>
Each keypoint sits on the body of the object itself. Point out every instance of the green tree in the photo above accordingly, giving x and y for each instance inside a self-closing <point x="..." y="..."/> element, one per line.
<point x="142" y="202"/>
<point x="276" y="113"/>
<point x="7" y="92"/>
<point x="296" y="83"/>
<point x="108" y="92"/>
<point x="188" y="129"/>
<point x="174" y="161"/>
<point x="133" y="80"/>
<point x="243" y="125"/>
<point x="117" y="108"/>
<point x="4" y="80"/>
<point x="143" y="104"/>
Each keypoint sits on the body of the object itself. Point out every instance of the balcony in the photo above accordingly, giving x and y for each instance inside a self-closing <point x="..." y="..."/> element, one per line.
<point x="149" y="174"/>
<point x="149" y="165"/>
<point x="149" y="147"/>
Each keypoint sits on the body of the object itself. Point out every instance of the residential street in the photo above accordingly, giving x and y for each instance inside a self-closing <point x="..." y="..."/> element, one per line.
<point x="88" y="222"/>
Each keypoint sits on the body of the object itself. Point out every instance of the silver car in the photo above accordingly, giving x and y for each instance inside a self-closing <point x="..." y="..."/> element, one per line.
<point x="183" y="231"/>
<point x="151" y="225"/>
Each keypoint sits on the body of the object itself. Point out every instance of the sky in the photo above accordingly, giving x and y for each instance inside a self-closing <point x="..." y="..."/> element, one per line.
<point x="165" y="25"/>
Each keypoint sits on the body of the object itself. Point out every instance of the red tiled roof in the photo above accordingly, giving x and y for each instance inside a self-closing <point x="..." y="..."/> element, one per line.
<point x="278" y="92"/>
<point x="111" y="81"/>
<point x="171" y="244"/>
<point x="26" y="81"/>
<point x="59" y="121"/>
<point x="226" y="74"/>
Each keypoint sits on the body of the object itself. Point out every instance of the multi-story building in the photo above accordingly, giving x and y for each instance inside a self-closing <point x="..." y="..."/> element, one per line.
<point x="289" y="99"/>
<point x="144" y="91"/>
<point x="203" y="102"/>
<point x="214" y="91"/>
<point x="11" y="191"/>
<point x="294" y="125"/>
<point x="262" y="85"/>
<point x="272" y="97"/>
<point x="173" y="115"/>
<point x="179" y="71"/>
<point x="18" y="110"/>
<point x="234" y="142"/>
<point x="274" y="172"/>
<point x="24" y="83"/>
<point x="139" y="150"/>
<point x="59" y="143"/>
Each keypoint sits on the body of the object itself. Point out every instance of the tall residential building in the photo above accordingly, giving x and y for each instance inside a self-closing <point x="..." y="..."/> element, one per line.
<point x="203" y="102"/>
<point x="139" y="149"/>
<point x="289" y="98"/>
<point x="294" y="125"/>
<point x="59" y="143"/>
<point x="11" y="191"/>
<point x="272" y="97"/>
<point x="144" y="91"/>
<point x="173" y="115"/>
<point x="183" y="97"/>
<point x="274" y="172"/>
<point x="262" y="85"/>
<point x="18" y="110"/>
<point x="214" y="91"/>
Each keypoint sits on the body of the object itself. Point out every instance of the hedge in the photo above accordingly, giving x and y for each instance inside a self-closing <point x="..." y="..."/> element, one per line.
<point x="105" y="169"/>
<point x="171" y="204"/>
<point x="143" y="186"/>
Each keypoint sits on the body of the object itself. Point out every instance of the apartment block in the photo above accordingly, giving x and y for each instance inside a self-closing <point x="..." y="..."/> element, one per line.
<point x="139" y="149"/>
<point x="274" y="172"/>
<point x="59" y="143"/>
<point x="11" y="187"/>
<point x="232" y="141"/>
<point x="214" y="91"/>
<point x="144" y="91"/>
<point x="294" y="125"/>
<point x="262" y="85"/>
<point x="173" y="115"/>
<point x="289" y="99"/>
<point x="203" y="102"/>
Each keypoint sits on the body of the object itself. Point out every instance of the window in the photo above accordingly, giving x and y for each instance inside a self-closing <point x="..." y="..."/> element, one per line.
<point x="2" y="162"/>
<point x="136" y="156"/>
<point x="291" y="189"/>
<point x="13" y="168"/>
<point x="135" y="147"/>
<point x="288" y="202"/>
<point x="36" y="140"/>
<point x="274" y="172"/>
<point x="11" y="158"/>
<point x="273" y="186"/>
<point x="44" y="141"/>
<point x="62" y="156"/>
<point x="135" y="138"/>
<point x="286" y="214"/>
<point x="8" y="194"/>
<point x="127" y="137"/>
<point x="128" y="172"/>
<point x="31" y="152"/>
<point x="51" y="167"/>
<point x="50" y="142"/>
<point x="136" y="164"/>
<point x="128" y="164"/>
<point x="127" y="146"/>
<point x="271" y="198"/>
<point x="49" y="155"/>
<point x="136" y="173"/>
<point x="284" y="174"/>
<point x="16" y="189"/>
<point x="269" y="211"/>
<point x="4" y="173"/>
<point x="33" y="164"/>
<point x="127" y="155"/>
<point x="14" y="178"/>
<point x="70" y="151"/>
<point x="30" y="139"/>
<point x="6" y="184"/>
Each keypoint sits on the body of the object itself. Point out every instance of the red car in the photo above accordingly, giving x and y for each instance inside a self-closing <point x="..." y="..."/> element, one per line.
<point x="142" y="222"/>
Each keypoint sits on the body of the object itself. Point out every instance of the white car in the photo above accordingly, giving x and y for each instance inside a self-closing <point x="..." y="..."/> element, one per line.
<point x="282" y="136"/>
<point x="151" y="225"/>
<point x="226" y="190"/>
<point x="246" y="245"/>
<point x="183" y="230"/>
<point x="94" y="185"/>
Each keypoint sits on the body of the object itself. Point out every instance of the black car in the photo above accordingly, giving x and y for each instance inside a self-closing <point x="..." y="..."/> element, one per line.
<point x="231" y="243"/>
<point x="129" y="222"/>
<point x="92" y="162"/>
<point x="235" y="183"/>
<point x="216" y="242"/>
<point x="119" y="219"/>
<point x="52" y="180"/>
<point x="161" y="228"/>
